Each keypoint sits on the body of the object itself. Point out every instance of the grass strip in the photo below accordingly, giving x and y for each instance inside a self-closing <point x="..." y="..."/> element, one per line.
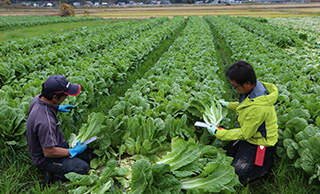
<point x="16" y="33"/>
<point x="284" y="178"/>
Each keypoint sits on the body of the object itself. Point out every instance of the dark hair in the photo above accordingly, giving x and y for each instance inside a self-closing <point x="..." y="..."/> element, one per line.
<point x="241" y="72"/>
<point x="49" y="96"/>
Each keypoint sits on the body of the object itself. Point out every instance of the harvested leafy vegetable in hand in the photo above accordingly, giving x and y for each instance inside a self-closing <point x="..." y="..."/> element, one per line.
<point x="93" y="127"/>
<point x="213" y="115"/>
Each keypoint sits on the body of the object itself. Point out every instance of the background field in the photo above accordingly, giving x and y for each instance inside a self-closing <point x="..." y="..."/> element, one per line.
<point x="256" y="10"/>
<point x="272" y="10"/>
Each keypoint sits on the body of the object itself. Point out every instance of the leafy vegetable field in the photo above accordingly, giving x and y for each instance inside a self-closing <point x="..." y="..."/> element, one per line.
<point x="145" y="84"/>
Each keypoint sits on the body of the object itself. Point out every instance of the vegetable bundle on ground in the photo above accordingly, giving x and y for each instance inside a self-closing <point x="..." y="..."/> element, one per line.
<point x="189" y="168"/>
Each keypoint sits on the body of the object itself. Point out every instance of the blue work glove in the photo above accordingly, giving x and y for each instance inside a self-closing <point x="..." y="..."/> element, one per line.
<point x="224" y="103"/>
<point x="212" y="129"/>
<point x="78" y="149"/>
<point x="64" y="108"/>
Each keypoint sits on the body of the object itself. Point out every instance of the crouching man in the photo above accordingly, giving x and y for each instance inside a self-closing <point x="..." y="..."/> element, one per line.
<point x="252" y="145"/>
<point x="49" y="150"/>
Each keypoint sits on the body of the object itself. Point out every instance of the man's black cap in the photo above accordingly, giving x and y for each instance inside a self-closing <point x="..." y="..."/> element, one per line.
<point x="57" y="84"/>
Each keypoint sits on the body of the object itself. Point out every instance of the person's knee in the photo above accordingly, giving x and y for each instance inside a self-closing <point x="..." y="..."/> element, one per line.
<point x="241" y="165"/>
<point x="79" y="166"/>
<point x="242" y="168"/>
<point x="84" y="168"/>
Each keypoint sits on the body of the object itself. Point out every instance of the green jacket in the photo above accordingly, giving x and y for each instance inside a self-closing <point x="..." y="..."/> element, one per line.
<point x="257" y="118"/>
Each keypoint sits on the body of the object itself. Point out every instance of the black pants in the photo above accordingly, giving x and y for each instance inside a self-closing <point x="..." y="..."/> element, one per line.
<point x="244" y="155"/>
<point x="58" y="167"/>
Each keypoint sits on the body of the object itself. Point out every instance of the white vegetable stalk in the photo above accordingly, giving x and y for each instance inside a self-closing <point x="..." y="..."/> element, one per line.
<point x="213" y="115"/>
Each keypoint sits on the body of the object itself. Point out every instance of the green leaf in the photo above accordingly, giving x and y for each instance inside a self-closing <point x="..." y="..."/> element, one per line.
<point x="213" y="179"/>
<point x="182" y="154"/>
<point x="315" y="143"/>
<point x="141" y="176"/>
<point x="79" y="190"/>
<point x="79" y="179"/>
<point x="291" y="148"/>
<point x="196" y="108"/>
<point x="307" y="133"/>
<point x="146" y="147"/>
<point x="307" y="161"/>
<point x="318" y="121"/>
<point x="131" y="146"/>
<point x="12" y="126"/>
<point x="296" y="124"/>
<point x="104" y="187"/>
<point x="295" y="103"/>
<point x="299" y="112"/>
<point x="111" y="164"/>
<point x="164" y="181"/>
<point x="121" y="172"/>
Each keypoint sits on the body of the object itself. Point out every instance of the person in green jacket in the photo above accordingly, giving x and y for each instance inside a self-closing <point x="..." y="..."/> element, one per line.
<point x="253" y="144"/>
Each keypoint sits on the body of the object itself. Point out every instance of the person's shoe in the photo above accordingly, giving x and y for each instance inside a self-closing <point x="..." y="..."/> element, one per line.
<point x="48" y="178"/>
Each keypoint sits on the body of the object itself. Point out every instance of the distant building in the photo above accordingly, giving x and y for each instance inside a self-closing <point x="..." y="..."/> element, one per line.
<point x="273" y="1"/>
<point x="166" y="2"/>
<point x="76" y="4"/>
<point x="132" y="3"/>
<point x="89" y="4"/>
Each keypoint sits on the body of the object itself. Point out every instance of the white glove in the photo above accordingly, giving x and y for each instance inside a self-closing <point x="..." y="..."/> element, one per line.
<point x="212" y="129"/>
